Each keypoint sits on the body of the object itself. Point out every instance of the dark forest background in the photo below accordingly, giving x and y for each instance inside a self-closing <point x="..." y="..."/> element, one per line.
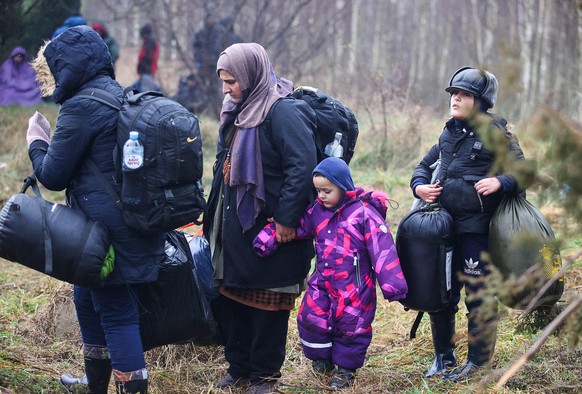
<point x="377" y="55"/>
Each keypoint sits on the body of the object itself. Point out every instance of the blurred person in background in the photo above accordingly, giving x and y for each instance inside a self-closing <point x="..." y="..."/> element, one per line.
<point x="110" y="41"/>
<point x="147" y="61"/>
<point x="73" y="20"/>
<point x="18" y="84"/>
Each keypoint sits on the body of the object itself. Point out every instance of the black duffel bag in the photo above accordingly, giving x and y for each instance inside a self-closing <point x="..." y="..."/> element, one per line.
<point x="52" y="238"/>
<point x="424" y="242"/>
<point x="175" y="309"/>
<point x="521" y="242"/>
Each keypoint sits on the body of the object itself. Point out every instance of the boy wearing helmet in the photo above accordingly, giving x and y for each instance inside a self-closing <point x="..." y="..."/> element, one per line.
<point x="467" y="189"/>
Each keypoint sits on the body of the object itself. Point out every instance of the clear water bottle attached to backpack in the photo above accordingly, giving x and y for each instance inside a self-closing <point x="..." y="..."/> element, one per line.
<point x="133" y="161"/>
<point x="335" y="148"/>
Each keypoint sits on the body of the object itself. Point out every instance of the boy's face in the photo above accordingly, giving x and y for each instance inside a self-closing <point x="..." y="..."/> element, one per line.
<point x="461" y="104"/>
<point x="329" y="193"/>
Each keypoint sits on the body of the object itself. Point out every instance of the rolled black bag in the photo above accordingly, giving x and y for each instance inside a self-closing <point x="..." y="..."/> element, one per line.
<point x="174" y="309"/>
<point x="52" y="238"/>
<point x="424" y="242"/>
<point x="521" y="242"/>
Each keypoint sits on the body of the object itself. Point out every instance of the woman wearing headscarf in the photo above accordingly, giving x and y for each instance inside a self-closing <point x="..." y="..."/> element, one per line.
<point x="265" y="156"/>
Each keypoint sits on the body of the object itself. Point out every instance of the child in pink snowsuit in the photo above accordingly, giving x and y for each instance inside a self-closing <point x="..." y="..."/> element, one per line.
<point x="354" y="248"/>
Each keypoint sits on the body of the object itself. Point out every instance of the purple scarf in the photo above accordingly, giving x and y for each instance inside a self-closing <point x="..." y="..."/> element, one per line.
<point x="250" y="65"/>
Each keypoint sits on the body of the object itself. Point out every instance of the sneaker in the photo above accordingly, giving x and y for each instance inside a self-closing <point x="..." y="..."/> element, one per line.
<point x="264" y="387"/>
<point x="322" y="366"/>
<point x="228" y="381"/>
<point x="70" y="382"/>
<point x="343" y="378"/>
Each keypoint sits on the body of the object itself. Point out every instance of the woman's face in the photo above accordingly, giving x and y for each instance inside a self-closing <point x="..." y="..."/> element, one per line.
<point x="230" y="86"/>
<point x="462" y="104"/>
<point x="328" y="192"/>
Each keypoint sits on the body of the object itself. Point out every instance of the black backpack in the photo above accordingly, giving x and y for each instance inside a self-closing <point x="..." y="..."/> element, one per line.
<point x="170" y="179"/>
<point x="332" y="117"/>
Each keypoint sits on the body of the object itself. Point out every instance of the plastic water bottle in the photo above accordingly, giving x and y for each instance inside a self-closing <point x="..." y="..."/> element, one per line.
<point x="133" y="160"/>
<point x="132" y="152"/>
<point x="335" y="148"/>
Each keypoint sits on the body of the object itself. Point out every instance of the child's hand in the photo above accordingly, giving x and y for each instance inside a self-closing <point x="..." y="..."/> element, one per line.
<point x="488" y="186"/>
<point x="429" y="193"/>
<point x="284" y="233"/>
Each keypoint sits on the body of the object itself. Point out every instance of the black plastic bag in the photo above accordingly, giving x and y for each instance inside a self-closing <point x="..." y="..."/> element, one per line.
<point x="52" y="238"/>
<point x="521" y="241"/>
<point x="200" y="250"/>
<point x="175" y="309"/>
<point x="424" y="242"/>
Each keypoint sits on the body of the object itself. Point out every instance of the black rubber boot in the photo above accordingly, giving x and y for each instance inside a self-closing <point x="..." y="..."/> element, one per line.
<point x="442" y="328"/>
<point x="342" y="378"/>
<point x="482" y="338"/>
<point x="98" y="374"/>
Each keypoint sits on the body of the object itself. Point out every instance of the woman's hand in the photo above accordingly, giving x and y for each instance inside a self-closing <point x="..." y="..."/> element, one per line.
<point x="429" y="193"/>
<point x="488" y="186"/>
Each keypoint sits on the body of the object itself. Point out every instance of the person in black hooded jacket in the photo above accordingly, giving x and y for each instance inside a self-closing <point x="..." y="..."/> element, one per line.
<point x="108" y="315"/>
<point x="470" y="191"/>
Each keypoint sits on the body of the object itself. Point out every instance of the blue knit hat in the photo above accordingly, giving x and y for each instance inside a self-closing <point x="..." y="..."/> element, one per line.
<point x="337" y="171"/>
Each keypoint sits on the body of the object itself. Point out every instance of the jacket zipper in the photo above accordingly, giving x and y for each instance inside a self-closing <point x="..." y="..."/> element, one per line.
<point x="357" y="266"/>
<point x="479" y="197"/>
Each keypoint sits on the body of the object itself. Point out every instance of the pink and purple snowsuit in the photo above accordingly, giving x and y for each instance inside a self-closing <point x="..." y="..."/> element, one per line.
<point x="354" y="248"/>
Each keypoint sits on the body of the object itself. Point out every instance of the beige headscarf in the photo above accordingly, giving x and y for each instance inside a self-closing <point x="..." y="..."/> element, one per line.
<point x="250" y="65"/>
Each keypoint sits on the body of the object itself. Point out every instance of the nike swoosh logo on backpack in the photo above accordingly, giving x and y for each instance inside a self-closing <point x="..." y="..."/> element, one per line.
<point x="191" y="139"/>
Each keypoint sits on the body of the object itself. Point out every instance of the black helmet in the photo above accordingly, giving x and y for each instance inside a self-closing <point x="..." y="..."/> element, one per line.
<point x="480" y="83"/>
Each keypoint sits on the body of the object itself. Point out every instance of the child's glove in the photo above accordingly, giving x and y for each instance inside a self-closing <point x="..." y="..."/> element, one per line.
<point x="265" y="243"/>
<point x="39" y="128"/>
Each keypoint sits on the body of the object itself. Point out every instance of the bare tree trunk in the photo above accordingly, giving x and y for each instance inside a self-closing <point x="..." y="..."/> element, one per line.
<point x="357" y="6"/>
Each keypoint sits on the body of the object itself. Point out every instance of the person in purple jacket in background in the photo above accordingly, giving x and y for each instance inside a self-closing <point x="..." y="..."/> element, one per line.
<point x="18" y="84"/>
<point x="354" y="248"/>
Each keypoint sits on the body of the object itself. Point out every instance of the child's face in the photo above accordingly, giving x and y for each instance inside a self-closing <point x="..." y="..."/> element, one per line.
<point x="462" y="104"/>
<point x="329" y="193"/>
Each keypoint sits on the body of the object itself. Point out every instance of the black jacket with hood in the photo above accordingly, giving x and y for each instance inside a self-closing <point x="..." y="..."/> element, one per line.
<point x="288" y="157"/>
<point x="79" y="59"/>
<point x="465" y="160"/>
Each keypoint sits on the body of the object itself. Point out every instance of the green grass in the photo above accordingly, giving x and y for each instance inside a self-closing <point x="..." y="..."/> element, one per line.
<point x="39" y="338"/>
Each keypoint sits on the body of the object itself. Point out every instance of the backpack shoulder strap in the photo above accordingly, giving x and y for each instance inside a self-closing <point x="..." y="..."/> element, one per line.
<point x="415" y="325"/>
<point x="104" y="182"/>
<point x="267" y="120"/>
<point x="102" y="96"/>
